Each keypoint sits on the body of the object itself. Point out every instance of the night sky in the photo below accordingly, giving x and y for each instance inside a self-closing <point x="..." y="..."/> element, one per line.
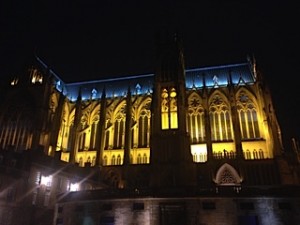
<point x="84" y="40"/>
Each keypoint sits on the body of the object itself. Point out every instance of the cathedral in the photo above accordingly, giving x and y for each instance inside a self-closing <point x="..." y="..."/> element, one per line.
<point x="193" y="146"/>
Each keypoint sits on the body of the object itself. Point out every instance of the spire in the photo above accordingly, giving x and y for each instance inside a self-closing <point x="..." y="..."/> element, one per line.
<point x="79" y="97"/>
<point x="170" y="60"/>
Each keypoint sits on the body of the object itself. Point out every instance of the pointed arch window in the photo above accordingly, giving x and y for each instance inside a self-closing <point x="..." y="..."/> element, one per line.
<point x="247" y="154"/>
<point x="144" y="126"/>
<point x="139" y="159"/>
<point x="71" y="132"/>
<point x="119" y="128"/>
<point x="88" y="160"/>
<point x="93" y="135"/>
<point x="16" y="134"/>
<point x="169" y="114"/>
<point x="16" y="126"/>
<point x="145" y="159"/>
<point x="119" y="160"/>
<point x="261" y="154"/>
<point x="63" y="136"/>
<point x="220" y="119"/>
<point x="82" y="141"/>
<point x="195" y="120"/>
<point x="67" y="129"/>
<point x="107" y="134"/>
<point x="113" y="160"/>
<point x="247" y="116"/>
<point x="255" y="154"/>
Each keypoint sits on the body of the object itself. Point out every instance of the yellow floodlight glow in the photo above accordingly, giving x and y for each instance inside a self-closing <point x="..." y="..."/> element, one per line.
<point x="199" y="152"/>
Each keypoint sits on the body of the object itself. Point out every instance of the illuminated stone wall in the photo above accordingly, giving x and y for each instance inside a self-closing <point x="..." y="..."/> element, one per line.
<point x="228" y="113"/>
<point x="184" y="211"/>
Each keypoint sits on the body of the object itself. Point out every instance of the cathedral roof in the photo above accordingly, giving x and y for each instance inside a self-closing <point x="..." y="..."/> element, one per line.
<point x="196" y="78"/>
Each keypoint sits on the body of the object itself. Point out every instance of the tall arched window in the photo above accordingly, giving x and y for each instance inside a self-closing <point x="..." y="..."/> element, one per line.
<point x="63" y="134"/>
<point x="169" y="117"/>
<point x="70" y="135"/>
<point x="88" y="159"/>
<point x="247" y="116"/>
<point x="195" y="157"/>
<point x="144" y="126"/>
<point x="195" y="120"/>
<point x="139" y="159"/>
<point x="119" y="128"/>
<point x="16" y="134"/>
<point x="247" y="154"/>
<point x="255" y="154"/>
<point x="220" y="119"/>
<point x="145" y="158"/>
<point x="261" y="154"/>
<point x="17" y="125"/>
<point x="93" y="135"/>
<point x="66" y="128"/>
<point x="81" y="141"/>
<point x="113" y="160"/>
<point x="119" y="160"/>
<point x="107" y="134"/>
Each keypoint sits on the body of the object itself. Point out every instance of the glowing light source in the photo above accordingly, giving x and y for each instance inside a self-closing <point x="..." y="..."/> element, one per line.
<point x="199" y="152"/>
<point x="173" y="93"/>
<point x="74" y="187"/>
<point x="14" y="82"/>
<point x="46" y="180"/>
<point x="36" y="77"/>
<point x="164" y="94"/>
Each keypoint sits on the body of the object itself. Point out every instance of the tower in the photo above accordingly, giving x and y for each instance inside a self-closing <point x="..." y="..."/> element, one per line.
<point x="170" y="148"/>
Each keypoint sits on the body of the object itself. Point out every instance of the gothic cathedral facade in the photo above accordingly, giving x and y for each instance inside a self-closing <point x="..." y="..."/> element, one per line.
<point x="211" y="128"/>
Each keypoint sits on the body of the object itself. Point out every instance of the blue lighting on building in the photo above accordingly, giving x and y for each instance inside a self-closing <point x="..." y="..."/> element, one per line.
<point x="198" y="78"/>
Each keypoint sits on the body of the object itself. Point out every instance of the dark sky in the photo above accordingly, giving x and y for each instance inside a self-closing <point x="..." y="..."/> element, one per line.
<point x="82" y="40"/>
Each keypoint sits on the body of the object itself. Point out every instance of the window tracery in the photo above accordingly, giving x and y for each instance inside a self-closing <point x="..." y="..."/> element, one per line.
<point x="220" y="119"/>
<point x="248" y="116"/>
<point x="169" y="109"/>
<point x="144" y="125"/>
<point x="196" y="120"/>
<point x="227" y="178"/>
<point x="119" y="128"/>
<point x="227" y="175"/>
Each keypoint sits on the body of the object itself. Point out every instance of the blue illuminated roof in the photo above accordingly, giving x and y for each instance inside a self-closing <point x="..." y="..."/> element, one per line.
<point x="219" y="76"/>
<point x="116" y="87"/>
<point x="214" y="76"/>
